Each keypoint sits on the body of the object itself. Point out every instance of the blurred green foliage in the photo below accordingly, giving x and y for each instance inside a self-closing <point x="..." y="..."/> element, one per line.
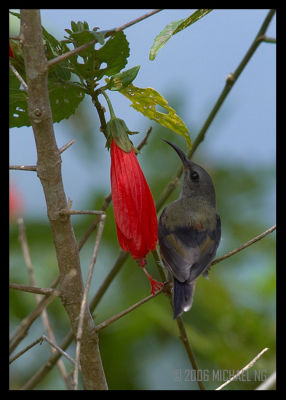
<point x="233" y="315"/>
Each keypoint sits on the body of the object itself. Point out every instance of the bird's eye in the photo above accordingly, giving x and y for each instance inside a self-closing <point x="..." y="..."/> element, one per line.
<point x="194" y="176"/>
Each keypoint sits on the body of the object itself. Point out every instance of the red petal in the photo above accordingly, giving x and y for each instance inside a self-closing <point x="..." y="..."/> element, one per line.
<point x="133" y="204"/>
<point x="10" y="52"/>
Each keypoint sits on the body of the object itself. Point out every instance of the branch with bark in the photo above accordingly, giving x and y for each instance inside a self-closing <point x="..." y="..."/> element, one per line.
<point x="49" y="173"/>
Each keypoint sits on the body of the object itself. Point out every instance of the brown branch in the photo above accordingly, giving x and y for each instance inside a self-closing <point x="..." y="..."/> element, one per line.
<point x="121" y="314"/>
<point x="269" y="383"/>
<point x="22" y="329"/>
<point x="249" y="365"/>
<point x="34" y="167"/>
<point x="245" y="245"/>
<point x="45" y="369"/>
<point x="84" y="300"/>
<point x="33" y="289"/>
<point x="81" y="212"/>
<point x="145" y="139"/>
<point x="66" y="146"/>
<point x="180" y="323"/>
<point x="24" y="167"/>
<point x="71" y="53"/>
<point x="44" y="313"/>
<point x="185" y="340"/>
<point x="18" y="76"/>
<point x="40" y="340"/>
<point x="136" y="20"/>
<point x="49" y="172"/>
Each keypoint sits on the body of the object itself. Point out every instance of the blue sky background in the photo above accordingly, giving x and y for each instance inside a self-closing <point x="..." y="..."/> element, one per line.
<point x="192" y="67"/>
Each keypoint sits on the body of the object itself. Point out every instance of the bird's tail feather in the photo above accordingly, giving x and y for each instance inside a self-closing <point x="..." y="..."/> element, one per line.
<point x="183" y="296"/>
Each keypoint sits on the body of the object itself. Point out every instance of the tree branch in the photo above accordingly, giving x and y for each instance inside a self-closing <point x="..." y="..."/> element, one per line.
<point x="249" y="243"/>
<point x="249" y="365"/>
<point x="84" y="300"/>
<point x="70" y="53"/>
<point x="33" y="289"/>
<point x="49" y="172"/>
<point x="230" y="81"/>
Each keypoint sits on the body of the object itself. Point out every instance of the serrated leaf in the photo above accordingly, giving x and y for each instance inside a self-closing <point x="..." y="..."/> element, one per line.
<point x="64" y="99"/>
<point x="123" y="79"/>
<point x="173" y="28"/>
<point x="65" y="95"/>
<point x="114" y="53"/>
<point x="146" y="100"/>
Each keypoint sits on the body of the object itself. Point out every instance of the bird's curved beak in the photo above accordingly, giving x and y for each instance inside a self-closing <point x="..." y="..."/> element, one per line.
<point x="180" y="152"/>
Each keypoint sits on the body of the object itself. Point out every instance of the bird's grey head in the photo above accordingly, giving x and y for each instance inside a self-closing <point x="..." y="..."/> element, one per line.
<point x="197" y="183"/>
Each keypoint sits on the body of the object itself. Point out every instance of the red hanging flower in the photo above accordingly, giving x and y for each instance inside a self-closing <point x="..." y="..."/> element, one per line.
<point x="133" y="203"/>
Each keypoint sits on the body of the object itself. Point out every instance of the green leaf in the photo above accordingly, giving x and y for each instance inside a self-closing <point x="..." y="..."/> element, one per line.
<point x="18" y="106"/>
<point x="65" y="95"/>
<point x="163" y="37"/>
<point x="192" y="18"/>
<point x="123" y="79"/>
<point x="146" y="100"/>
<point x="173" y="28"/>
<point x="114" y="53"/>
<point x="65" y="98"/>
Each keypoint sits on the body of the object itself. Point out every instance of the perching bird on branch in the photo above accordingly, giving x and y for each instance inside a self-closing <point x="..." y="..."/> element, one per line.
<point x="189" y="232"/>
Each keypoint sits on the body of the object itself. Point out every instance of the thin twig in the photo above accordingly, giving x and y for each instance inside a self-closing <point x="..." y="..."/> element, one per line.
<point x="33" y="289"/>
<point x="84" y="300"/>
<point x="40" y="340"/>
<point x="71" y="53"/>
<point x="268" y="383"/>
<point x="249" y="365"/>
<point x="128" y="310"/>
<point x="180" y="323"/>
<point x="249" y="243"/>
<point x="44" y="314"/>
<point x="18" y="76"/>
<point x="34" y="167"/>
<point x="24" y="167"/>
<point x="93" y="225"/>
<point x="79" y="212"/>
<point x="186" y="342"/>
<point x="22" y="329"/>
<point x="66" y="146"/>
<point x="136" y="20"/>
<point x="46" y="368"/>
<point x="145" y="139"/>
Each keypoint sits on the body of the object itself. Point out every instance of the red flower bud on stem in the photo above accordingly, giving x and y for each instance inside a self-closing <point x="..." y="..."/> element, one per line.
<point x="133" y="203"/>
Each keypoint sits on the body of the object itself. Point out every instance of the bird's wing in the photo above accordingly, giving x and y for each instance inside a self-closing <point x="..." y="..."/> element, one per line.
<point x="188" y="251"/>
